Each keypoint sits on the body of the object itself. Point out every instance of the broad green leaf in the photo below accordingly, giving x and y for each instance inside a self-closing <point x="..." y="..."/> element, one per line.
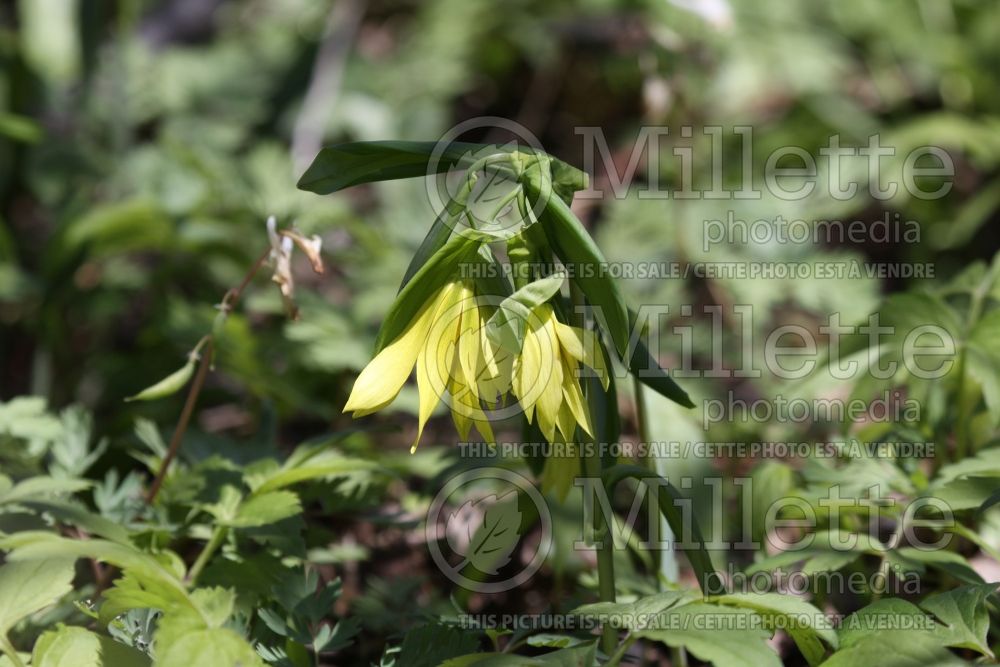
<point x="436" y="237"/>
<point x="80" y="647"/>
<point x="986" y="463"/>
<point x="137" y="224"/>
<point x="964" y="493"/>
<point x="828" y="561"/>
<point x="325" y="466"/>
<point x="806" y="624"/>
<point x="263" y="508"/>
<point x="132" y="591"/>
<point x="439" y="270"/>
<point x="723" y="636"/>
<point x="670" y="500"/>
<point x="634" y="615"/>
<point x="586" y="266"/>
<point x="772" y="481"/>
<point x="168" y="385"/>
<point x="184" y="641"/>
<point x="506" y="326"/>
<point x="30" y="586"/>
<point x="491" y="278"/>
<point x="76" y="515"/>
<point x="28" y="546"/>
<point x="964" y="611"/>
<point x="215" y="604"/>
<point x="550" y="640"/>
<point x="984" y="360"/>
<point x="949" y="562"/>
<point x="891" y="633"/>
<point x="49" y="36"/>
<point x="574" y="656"/>
<point x="341" y="166"/>
<point x="36" y="488"/>
<point x="433" y="644"/>
<point x="644" y="366"/>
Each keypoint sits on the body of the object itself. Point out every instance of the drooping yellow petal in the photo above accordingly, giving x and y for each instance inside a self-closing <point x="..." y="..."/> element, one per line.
<point x="470" y="353"/>
<point x="584" y="346"/>
<point x="551" y="377"/>
<point x="466" y="410"/>
<point x="380" y="381"/>
<point x="527" y="370"/>
<point x="573" y="400"/>
<point x="434" y="361"/>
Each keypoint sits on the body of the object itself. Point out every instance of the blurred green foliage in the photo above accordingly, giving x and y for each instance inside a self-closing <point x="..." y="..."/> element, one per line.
<point x="144" y="143"/>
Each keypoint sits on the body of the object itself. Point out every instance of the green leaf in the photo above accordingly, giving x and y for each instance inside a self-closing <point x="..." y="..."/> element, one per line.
<point x="76" y="515"/>
<point x="29" y="546"/>
<point x="137" y="224"/>
<point x="984" y="355"/>
<point x="891" y="633"/>
<point x="633" y="615"/>
<point x="440" y="269"/>
<point x="644" y="366"/>
<point x="723" y="636"/>
<point x="80" y="647"/>
<point x="35" y="488"/>
<point x="431" y="645"/>
<point x="168" y="385"/>
<point x="965" y="613"/>
<point x="184" y="641"/>
<point x="948" y="562"/>
<point x="550" y="640"/>
<point x="263" y="508"/>
<point x="586" y="266"/>
<point x="29" y="586"/>
<point x="132" y="591"/>
<point x="670" y="500"/>
<point x="806" y="624"/>
<point x="436" y="237"/>
<point x="506" y="326"/>
<point x="49" y="36"/>
<point x="341" y="166"/>
<point x="327" y="465"/>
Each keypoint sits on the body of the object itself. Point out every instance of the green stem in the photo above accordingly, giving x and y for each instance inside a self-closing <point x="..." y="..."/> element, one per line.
<point x="617" y="656"/>
<point x="593" y="467"/>
<point x="967" y="403"/>
<point x="605" y="552"/>
<point x="11" y="652"/>
<point x="218" y="537"/>
<point x="678" y="656"/>
<point x="962" y="531"/>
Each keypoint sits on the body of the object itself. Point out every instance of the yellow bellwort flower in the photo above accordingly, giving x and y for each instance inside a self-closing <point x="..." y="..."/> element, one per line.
<point x="446" y="342"/>
<point x="545" y="379"/>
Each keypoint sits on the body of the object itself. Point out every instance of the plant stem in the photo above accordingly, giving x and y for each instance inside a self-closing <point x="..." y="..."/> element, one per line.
<point x="11" y="652"/>
<point x="593" y="466"/>
<point x="218" y="537"/>
<point x="617" y="656"/>
<point x="967" y="403"/>
<point x="185" y="418"/>
<point x="605" y="553"/>
<point x="207" y="347"/>
<point x="678" y="656"/>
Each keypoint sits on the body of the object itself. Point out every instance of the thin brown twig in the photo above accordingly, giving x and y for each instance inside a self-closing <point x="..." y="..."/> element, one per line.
<point x="182" y="423"/>
<point x="230" y="299"/>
